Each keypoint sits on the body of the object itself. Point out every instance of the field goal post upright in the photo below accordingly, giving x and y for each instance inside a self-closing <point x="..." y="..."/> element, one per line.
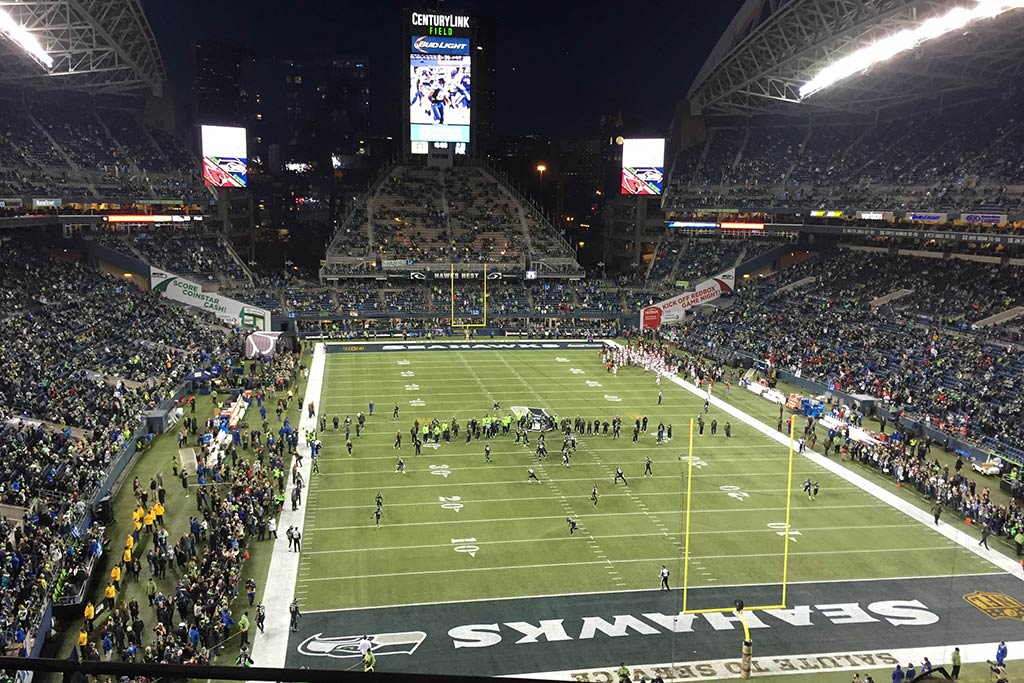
<point x="738" y="607"/>
<point x="451" y="301"/>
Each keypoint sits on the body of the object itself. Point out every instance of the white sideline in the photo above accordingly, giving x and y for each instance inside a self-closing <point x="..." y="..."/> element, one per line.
<point x="954" y="534"/>
<point x="271" y="647"/>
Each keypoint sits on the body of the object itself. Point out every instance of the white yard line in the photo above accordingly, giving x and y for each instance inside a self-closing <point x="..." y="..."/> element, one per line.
<point x="428" y="572"/>
<point x="271" y="647"/>
<point x="567" y="538"/>
<point x="470" y="520"/>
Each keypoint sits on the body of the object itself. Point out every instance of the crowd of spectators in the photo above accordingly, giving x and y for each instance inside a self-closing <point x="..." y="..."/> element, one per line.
<point x="189" y="252"/>
<point x="195" y="572"/>
<point x="485" y="223"/>
<point x="904" y="455"/>
<point x="89" y="352"/>
<point x="409" y="220"/>
<point x="461" y="215"/>
<point x="964" y="157"/>
<point x="75" y="151"/>
<point x="919" y="352"/>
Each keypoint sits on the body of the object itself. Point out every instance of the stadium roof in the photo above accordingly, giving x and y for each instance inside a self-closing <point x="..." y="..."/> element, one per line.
<point x="98" y="46"/>
<point x="772" y="47"/>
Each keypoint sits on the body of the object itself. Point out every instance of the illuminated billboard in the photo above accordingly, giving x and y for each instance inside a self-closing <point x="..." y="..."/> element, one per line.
<point x="225" y="159"/>
<point x="440" y="86"/>
<point x="643" y="165"/>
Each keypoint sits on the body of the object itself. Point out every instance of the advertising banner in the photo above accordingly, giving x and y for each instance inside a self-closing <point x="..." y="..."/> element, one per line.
<point x="927" y="216"/>
<point x="673" y="310"/>
<point x="984" y="218"/>
<point x="187" y="292"/>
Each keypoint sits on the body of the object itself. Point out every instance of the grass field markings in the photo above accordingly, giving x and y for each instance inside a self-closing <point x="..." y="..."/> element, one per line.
<point x="608" y="471"/>
<point x="708" y="511"/>
<point x="925" y="577"/>
<point x="591" y="538"/>
<point x="442" y="484"/>
<point x="596" y="549"/>
<point x="633" y="560"/>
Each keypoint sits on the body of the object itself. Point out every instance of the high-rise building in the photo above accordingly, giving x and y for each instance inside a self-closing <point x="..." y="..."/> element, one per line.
<point x="310" y="113"/>
<point x="220" y="94"/>
<point x="484" y="82"/>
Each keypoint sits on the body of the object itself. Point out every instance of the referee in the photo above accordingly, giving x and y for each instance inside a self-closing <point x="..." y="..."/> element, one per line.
<point x="664" y="577"/>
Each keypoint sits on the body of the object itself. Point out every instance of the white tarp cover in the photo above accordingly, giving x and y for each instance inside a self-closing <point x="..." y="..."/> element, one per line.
<point x="261" y="344"/>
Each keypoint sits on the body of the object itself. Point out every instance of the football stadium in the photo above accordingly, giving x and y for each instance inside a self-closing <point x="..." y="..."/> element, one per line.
<point x="718" y="379"/>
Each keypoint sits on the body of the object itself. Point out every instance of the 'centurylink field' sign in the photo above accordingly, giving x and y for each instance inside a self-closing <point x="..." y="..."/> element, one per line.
<point x="187" y="292"/>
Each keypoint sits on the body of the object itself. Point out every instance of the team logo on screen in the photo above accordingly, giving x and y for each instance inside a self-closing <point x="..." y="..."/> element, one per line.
<point x="642" y="180"/>
<point x="225" y="171"/>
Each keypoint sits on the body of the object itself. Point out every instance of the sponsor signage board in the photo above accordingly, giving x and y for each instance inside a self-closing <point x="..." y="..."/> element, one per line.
<point x="672" y="310"/>
<point x="190" y="293"/>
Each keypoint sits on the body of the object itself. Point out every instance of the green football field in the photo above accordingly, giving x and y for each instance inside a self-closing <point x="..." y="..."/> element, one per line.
<point x="456" y="527"/>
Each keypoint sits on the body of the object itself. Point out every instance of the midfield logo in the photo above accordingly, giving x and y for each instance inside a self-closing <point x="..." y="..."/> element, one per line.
<point x="347" y="647"/>
<point x="997" y="605"/>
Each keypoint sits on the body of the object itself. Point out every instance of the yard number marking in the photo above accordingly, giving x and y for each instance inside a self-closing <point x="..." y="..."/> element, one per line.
<point x="464" y="548"/>
<point x="408" y="373"/>
<point x="403" y="362"/>
<point x="734" y="492"/>
<point x="780" y="529"/>
<point x="559" y="359"/>
<point x="610" y="397"/>
<point x="699" y="464"/>
<point x="417" y="403"/>
<point x="412" y="387"/>
<point x="440" y="470"/>
<point x="576" y="371"/>
<point x="592" y="383"/>
<point x="450" y="502"/>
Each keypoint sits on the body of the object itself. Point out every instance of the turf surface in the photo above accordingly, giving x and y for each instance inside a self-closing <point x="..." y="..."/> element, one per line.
<point x="458" y="528"/>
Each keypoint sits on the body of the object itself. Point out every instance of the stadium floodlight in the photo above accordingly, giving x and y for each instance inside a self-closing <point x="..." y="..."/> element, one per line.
<point x="10" y="28"/>
<point x="890" y="46"/>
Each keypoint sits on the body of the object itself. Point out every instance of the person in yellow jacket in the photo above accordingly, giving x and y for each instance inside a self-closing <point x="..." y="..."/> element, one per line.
<point x="90" y="614"/>
<point x="148" y="520"/>
<point x="129" y="542"/>
<point x="158" y="511"/>
<point x="115" y="577"/>
<point x="83" y="643"/>
<point x="126" y="556"/>
<point x="110" y="596"/>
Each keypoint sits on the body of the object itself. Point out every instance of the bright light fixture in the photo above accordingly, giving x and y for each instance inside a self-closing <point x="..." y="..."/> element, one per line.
<point x="886" y="48"/>
<point x="10" y="28"/>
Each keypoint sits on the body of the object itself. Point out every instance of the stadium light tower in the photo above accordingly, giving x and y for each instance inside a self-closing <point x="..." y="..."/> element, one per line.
<point x="891" y="46"/>
<point x="18" y="34"/>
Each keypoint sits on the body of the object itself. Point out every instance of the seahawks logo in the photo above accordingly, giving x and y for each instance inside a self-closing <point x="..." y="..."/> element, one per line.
<point x="347" y="647"/>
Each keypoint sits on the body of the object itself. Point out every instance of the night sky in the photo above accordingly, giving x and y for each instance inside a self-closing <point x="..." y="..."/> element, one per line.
<point x="560" y="64"/>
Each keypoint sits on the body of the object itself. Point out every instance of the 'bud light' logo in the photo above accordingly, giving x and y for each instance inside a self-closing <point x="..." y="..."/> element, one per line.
<point x="432" y="45"/>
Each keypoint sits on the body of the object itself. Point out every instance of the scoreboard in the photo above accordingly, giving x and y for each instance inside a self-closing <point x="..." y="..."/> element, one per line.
<point x="440" y="95"/>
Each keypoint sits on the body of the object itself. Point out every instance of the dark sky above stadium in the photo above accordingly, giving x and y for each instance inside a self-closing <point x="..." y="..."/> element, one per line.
<point x="560" y="63"/>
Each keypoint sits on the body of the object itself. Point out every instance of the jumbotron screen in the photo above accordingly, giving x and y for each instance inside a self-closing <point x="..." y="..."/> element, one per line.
<point x="225" y="159"/>
<point x="643" y="165"/>
<point x="440" y="71"/>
